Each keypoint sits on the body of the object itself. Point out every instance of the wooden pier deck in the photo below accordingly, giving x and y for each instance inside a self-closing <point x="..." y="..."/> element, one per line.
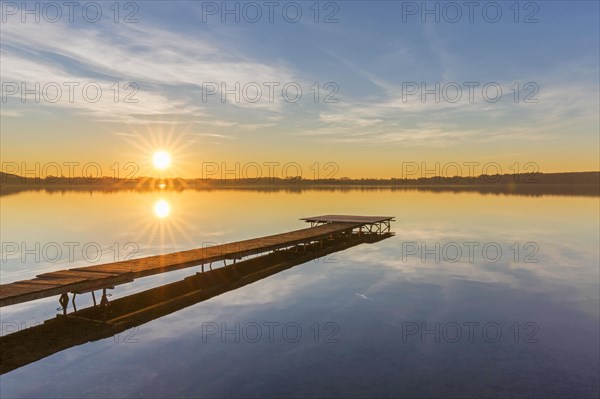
<point x="90" y="278"/>
<point x="28" y="345"/>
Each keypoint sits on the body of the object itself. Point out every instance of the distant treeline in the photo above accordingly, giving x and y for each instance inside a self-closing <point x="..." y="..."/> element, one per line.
<point x="573" y="183"/>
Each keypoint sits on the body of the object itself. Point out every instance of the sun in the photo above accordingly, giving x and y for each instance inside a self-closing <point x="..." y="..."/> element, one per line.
<point x="161" y="160"/>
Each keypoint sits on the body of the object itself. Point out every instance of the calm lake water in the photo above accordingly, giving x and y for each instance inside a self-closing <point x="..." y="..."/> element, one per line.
<point x="476" y="295"/>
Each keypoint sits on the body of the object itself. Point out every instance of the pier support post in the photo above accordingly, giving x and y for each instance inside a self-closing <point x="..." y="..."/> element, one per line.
<point x="73" y="301"/>
<point x="104" y="305"/>
<point x="64" y="302"/>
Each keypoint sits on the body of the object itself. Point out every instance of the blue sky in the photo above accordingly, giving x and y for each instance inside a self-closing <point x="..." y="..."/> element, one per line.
<point x="370" y="55"/>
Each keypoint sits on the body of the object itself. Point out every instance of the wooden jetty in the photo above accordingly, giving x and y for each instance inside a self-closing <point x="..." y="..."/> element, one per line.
<point x="28" y="345"/>
<point x="106" y="276"/>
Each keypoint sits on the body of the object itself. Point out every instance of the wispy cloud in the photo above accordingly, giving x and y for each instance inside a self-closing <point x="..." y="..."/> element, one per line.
<point x="164" y="64"/>
<point x="396" y="118"/>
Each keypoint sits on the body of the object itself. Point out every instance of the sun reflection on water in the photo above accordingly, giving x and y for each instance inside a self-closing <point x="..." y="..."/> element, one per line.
<point x="162" y="209"/>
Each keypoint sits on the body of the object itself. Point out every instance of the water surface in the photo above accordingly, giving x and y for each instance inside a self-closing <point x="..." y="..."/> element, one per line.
<point x="407" y="316"/>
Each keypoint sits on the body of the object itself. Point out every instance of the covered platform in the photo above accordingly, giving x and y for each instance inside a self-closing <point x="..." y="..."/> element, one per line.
<point x="372" y="224"/>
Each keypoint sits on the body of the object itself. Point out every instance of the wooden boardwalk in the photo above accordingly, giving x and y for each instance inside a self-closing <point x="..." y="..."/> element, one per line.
<point x="28" y="345"/>
<point x="90" y="278"/>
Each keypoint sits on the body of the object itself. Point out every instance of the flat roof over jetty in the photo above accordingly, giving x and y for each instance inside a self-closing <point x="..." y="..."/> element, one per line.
<point x="101" y="277"/>
<point x="349" y="219"/>
<point x="371" y="224"/>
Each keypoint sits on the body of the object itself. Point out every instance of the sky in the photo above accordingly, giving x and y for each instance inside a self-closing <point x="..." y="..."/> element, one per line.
<point x="318" y="89"/>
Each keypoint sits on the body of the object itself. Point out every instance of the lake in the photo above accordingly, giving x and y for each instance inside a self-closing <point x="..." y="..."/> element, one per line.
<point x="476" y="295"/>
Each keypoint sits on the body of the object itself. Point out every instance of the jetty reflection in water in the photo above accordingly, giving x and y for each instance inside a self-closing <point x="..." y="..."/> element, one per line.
<point x="103" y="321"/>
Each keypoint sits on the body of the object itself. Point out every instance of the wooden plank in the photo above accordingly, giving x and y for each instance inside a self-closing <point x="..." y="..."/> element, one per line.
<point x="49" y="282"/>
<point x="9" y="290"/>
<point x="11" y="294"/>
<point x="59" y="280"/>
<point x="75" y="274"/>
<point x="28" y="284"/>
